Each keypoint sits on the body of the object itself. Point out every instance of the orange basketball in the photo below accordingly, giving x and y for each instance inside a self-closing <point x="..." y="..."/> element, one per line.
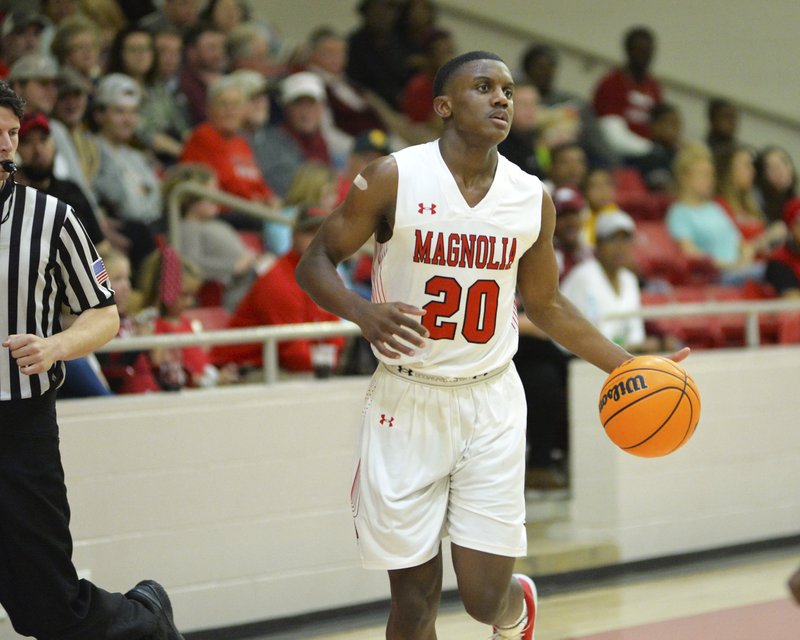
<point x="649" y="406"/>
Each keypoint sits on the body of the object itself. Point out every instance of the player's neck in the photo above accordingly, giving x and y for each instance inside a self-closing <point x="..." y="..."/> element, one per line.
<point x="470" y="163"/>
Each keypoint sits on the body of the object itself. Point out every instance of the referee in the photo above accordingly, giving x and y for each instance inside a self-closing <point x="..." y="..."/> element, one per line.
<point x="47" y="260"/>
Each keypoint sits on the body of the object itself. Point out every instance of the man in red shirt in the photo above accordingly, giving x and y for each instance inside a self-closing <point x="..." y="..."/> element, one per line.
<point x="276" y="298"/>
<point x="218" y="143"/>
<point x="626" y="95"/>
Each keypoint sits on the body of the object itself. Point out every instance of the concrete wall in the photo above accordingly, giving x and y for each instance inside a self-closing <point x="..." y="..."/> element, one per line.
<point x="238" y="499"/>
<point x="737" y="49"/>
<point x="734" y="482"/>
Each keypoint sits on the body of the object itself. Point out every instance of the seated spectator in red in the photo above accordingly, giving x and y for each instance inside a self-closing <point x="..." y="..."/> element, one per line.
<point x="347" y="104"/>
<point x="169" y="284"/>
<point x="624" y="98"/>
<point x="219" y="144"/>
<point x="204" y="61"/>
<point x="666" y="128"/>
<point x="776" y="181"/>
<point x="723" y="124"/>
<point x="736" y="194"/>
<point x="21" y="34"/>
<point x="418" y="94"/>
<point x="783" y="266"/>
<point x="276" y="298"/>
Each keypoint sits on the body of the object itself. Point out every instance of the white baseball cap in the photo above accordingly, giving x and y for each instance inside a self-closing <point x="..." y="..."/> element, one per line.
<point x="303" y="84"/>
<point x="614" y="222"/>
<point x="117" y="90"/>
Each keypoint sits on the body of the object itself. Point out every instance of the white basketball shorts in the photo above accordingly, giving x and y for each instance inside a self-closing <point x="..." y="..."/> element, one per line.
<point x="440" y="457"/>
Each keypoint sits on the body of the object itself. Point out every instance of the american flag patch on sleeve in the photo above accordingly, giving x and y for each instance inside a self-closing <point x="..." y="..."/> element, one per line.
<point x="99" y="270"/>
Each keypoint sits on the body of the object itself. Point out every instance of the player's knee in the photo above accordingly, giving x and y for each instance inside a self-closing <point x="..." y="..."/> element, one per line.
<point x="485" y="603"/>
<point x="414" y="609"/>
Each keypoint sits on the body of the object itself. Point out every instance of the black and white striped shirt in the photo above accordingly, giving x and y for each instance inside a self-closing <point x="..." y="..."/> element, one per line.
<point x="46" y="261"/>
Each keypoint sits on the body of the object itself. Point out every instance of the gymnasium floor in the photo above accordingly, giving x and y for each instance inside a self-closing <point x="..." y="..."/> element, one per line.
<point x="741" y="597"/>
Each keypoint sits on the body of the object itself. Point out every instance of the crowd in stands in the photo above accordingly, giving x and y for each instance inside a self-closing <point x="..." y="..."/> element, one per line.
<point x="128" y="99"/>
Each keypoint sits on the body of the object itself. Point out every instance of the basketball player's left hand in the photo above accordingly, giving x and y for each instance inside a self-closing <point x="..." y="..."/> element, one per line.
<point x="680" y="355"/>
<point x="32" y="353"/>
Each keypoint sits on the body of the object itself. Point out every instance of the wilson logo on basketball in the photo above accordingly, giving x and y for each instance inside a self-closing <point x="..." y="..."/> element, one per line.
<point x="623" y="387"/>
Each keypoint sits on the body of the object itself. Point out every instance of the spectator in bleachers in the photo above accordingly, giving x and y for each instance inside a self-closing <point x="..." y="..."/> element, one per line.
<point x="175" y="14"/>
<point x="564" y="116"/>
<point x="700" y="225"/>
<point x="735" y="193"/>
<point x="275" y="299"/>
<point x="110" y="20"/>
<point x="169" y="284"/>
<point x="204" y="62"/>
<point x="598" y="188"/>
<point x="522" y="145"/>
<point x="20" y="35"/>
<point x="126" y="185"/>
<point x="76" y="44"/>
<point x="655" y="167"/>
<point x="776" y="181"/>
<point x="77" y="151"/>
<point x="604" y="285"/>
<point x="377" y="58"/>
<point x="783" y="266"/>
<point x="37" y="153"/>
<point x="219" y="144"/>
<point x="723" y="125"/>
<point x="303" y="97"/>
<point x="416" y="25"/>
<point x="168" y="45"/>
<point x="135" y="10"/>
<point x="163" y="124"/>
<point x="567" y="167"/>
<point x="313" y="185"/>
<point x="225" y="15"/>
<point x="368" y="146"/>
<point x="624" y="98"/>
<point x="214" y="246"/>
<point x="347" y="106"/>
<point x="417" y="102"/>
<point x="33" y="78"/>
<point x="249" y="47"/>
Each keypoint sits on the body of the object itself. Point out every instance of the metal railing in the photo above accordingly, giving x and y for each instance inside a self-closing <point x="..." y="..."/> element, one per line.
<point x="269" y="337"/>
<point x="184" y="189"/>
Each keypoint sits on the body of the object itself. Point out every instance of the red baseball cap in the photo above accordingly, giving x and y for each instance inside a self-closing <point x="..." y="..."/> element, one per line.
<point x="32" y="121"/>
<point x="568" y="200"/>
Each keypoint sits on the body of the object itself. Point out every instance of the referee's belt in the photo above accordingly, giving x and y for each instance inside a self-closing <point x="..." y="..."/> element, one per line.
<point x="413" y="375"/>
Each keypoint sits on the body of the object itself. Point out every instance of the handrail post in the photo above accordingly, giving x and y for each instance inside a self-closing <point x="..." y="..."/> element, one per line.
<point x="270" y="357"/>
<point x="752" y="334"/>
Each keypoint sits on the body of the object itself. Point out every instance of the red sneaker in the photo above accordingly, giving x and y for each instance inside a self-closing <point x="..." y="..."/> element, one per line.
<point x="532" y="602"/>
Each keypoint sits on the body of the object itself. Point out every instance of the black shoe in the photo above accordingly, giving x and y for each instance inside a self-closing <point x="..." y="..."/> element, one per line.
<point x="153" y="597"/>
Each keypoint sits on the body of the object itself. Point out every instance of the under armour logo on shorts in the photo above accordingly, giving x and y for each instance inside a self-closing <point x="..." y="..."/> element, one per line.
<point x="385" y="420"/>
<point x="423" y="208"/>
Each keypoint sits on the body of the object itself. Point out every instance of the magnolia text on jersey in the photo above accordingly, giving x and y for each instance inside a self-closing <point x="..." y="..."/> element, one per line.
<point x="470" y="251"/>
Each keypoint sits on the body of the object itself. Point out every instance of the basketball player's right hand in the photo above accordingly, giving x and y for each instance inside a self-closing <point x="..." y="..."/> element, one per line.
<point x="392" y="328"/>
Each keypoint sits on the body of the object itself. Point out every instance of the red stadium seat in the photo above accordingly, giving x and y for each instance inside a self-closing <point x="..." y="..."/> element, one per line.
<point x="657" y="255"/>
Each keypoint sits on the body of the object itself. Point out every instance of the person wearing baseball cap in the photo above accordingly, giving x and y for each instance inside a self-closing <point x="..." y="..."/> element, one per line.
<point x="783" y="265"/>
<point x="568" y="239"/>
<point x="33" y="78"/>
<point x="303" y="99"/>
<point x="20" y="34"/>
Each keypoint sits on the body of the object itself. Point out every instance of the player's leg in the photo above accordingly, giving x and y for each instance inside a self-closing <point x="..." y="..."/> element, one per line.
<point x="415" y="601"/>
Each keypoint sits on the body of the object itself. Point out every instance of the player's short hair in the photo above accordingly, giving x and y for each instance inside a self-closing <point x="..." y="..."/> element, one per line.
<point x="451" y="66"/>
<point x="10" y="100"/>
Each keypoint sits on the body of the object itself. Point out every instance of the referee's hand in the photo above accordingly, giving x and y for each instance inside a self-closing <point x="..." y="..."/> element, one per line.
<point x="32" y="353"/>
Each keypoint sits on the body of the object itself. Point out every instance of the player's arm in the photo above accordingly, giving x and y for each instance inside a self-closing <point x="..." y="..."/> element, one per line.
<point x="549" y="310"/>
<point x="367" y="210"/>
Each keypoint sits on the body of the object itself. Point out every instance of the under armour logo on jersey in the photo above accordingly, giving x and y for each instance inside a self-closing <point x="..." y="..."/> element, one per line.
<point x="387" y="421"/>
<point x="405" y="370"/>
<point x="423" y="208"/>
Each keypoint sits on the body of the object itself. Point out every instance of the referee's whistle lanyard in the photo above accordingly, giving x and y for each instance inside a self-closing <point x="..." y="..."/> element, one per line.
<point x="3" y="185"/>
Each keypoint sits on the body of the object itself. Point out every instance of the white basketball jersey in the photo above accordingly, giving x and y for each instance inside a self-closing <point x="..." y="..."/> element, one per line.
<point x="457" y="262"/>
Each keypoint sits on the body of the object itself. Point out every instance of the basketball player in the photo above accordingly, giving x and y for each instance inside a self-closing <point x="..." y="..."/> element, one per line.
<point x="458" y="229"/>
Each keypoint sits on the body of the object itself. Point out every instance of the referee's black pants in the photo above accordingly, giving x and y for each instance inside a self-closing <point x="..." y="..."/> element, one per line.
<point x="39" y="587"/>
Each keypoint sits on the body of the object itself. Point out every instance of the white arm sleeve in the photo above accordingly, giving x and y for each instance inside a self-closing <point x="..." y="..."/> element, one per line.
<point x="621" y="139"/>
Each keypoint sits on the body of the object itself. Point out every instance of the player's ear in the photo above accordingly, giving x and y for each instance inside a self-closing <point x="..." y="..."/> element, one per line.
<point x="442" y="106"/>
